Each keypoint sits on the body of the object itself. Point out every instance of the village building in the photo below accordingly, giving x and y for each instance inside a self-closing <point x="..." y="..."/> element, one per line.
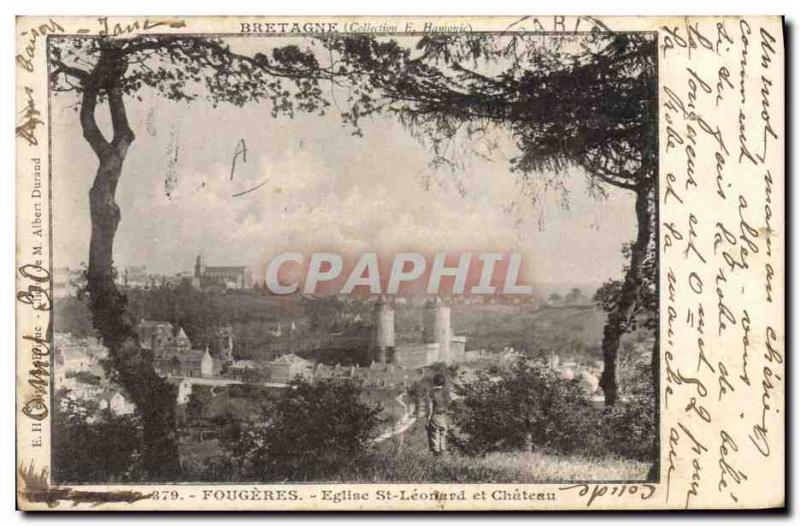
<point x="286" y="368"/>
<point x="246" y="370"/>
<point x="136" y="277"/>
<point x="67" y="281"/>
<point x="193" y="363"/>
<point x="115" y="402"/>
<point x="173" y="354"/>
<point x="79" y="375"/>
<point x="74" y="356"/>
<point x="186" y="385"/>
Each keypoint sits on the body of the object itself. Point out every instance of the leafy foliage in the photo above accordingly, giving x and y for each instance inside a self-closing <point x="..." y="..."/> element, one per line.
<point x="310" y="432"/>
<point x="630" y="428"/>
<point x="92" y="445"/>
<point x="198" y="400"/>
<point x="573" y="100"/>
<point x="525" y="406"/>
<point x="643" y="311"/>
<point x="185" y="68"/>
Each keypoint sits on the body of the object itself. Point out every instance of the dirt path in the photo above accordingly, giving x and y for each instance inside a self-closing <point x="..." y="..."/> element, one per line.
<point x="402" y="425"/>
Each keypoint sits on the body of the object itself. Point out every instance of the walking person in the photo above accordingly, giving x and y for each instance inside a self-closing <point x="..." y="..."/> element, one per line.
<point x="437" y="417"/>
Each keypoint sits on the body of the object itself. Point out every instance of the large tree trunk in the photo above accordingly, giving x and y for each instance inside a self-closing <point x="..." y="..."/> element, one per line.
<point x="633" y="292"/>
<point x="153" y="397"/>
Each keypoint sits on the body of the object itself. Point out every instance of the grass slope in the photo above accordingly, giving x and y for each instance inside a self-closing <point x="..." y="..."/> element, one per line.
<point x="406" y="459"/>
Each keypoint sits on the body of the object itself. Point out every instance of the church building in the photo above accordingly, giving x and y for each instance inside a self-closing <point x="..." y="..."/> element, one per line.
<point x="227" y="277"/>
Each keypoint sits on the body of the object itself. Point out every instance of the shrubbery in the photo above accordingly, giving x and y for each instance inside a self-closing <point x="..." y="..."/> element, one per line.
<point x="93" y="445"/>
<point x="527" y="406"/>
<point x="629" y="428"/>
<point x="311" y="431"/>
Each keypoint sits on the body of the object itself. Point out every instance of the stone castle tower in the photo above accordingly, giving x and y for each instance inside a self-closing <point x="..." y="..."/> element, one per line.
<point x="384" y="332"/>
<point x="436" y="328"/>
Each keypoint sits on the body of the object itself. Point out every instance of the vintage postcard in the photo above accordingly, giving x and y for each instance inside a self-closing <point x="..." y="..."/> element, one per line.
<point x="454" y="263"/>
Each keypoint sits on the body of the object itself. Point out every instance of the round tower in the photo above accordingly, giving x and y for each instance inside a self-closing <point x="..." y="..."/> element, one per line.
<point x="436" y="327"/>
<point x="384" y="331"/>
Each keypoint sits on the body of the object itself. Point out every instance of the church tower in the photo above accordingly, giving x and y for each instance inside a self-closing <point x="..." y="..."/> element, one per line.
<point x="199" y="266"/>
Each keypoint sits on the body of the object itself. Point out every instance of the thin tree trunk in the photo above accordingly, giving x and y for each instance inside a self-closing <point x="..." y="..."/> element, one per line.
<point x="631" y="293"/>
<point x="153" y="397"/>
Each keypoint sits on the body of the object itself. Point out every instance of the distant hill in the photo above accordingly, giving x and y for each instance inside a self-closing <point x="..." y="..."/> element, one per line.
<point x="574" y="328"/>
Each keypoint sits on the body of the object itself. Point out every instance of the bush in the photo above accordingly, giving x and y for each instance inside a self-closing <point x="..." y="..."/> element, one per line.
<point x="198" y="401"/>
<point x="312" y="431"/>
<point x="629" y="428"/>
<point x="529" y="407"/>
<point x="526" y="406"/>
<point x="92" y="445"/>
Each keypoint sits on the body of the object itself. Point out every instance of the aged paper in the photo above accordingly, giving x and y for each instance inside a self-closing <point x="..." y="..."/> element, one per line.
<point x="530" y="263"/>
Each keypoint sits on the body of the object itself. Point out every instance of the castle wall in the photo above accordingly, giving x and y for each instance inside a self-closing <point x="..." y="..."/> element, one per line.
<point x="458" y="347"/>
<point x="416" y="355"/>
<point x="391" y="356"/>
<point x="379" y="355"/>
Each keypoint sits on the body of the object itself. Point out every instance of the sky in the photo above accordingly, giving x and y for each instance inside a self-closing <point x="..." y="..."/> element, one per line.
<point x="324" y="190"/>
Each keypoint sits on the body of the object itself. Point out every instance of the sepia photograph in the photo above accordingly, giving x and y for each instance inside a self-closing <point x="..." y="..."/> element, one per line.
<point x="300" y="259"/>
<point x="399" y="263"/>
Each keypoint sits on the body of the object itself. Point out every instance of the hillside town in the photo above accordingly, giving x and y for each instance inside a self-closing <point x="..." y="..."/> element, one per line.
<point x="68" y="280"/>
<point x="393" y="366"/>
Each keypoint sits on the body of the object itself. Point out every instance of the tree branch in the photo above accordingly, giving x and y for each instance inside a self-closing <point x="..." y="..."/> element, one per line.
<point x="123" y="134"/>
<point x="606" y="176"/>
<point x="91" y="132"/>
<point x="226" y="56"/>
<point x="61" y="67"/>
